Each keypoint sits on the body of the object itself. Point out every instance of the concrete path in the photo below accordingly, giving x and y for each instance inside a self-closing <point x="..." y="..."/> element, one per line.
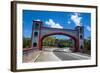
<point x="31" y="56"/>
<point x="53" y="54"/>
<point x="47" y="56"/>
<point x="59" y="54"/>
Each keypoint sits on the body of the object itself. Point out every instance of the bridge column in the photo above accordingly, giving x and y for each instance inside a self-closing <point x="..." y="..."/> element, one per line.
<point x="80" y="34"/>
<point x="35" y="43"/>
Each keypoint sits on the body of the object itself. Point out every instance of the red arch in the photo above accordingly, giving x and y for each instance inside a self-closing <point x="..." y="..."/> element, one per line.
<point x="61" y="33"/>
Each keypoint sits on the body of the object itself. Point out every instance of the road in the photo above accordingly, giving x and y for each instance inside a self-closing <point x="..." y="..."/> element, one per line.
<point x="58" y="54"/>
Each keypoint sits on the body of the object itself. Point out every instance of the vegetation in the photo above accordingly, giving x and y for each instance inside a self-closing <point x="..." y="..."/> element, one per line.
<point x="49" y="41"/>
<point x="62" y="44"/>
<point x="57" y="42"/>
<point x="87" y="45"/>
<point x="26" y="42"/>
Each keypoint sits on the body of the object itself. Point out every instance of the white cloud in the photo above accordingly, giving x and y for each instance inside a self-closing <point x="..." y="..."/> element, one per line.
<point x="76" y="19"/>
<point x="69" y="22"/>
<point x="37" y="20"/>
<point x="88" y="28"/>
<point x="52" y="24"/>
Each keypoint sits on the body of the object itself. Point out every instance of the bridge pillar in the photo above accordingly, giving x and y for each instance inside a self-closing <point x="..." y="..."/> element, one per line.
<point x="36" y="31"/>
<point x="80" y="34"/>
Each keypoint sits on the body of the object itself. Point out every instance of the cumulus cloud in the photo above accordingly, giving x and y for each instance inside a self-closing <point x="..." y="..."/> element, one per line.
<point x="88" y="28"/>
<point x="76" y="19"/>
<point x="52" y="24"/>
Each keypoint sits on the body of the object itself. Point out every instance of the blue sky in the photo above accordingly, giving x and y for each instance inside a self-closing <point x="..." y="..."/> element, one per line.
<point x="53" y="19"/>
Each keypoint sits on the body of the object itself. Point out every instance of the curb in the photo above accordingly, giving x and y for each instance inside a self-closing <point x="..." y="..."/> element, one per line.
<point x="37" y="56"/>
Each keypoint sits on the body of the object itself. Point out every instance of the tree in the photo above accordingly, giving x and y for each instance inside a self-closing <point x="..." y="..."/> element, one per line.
<point x="49" y="41"/>
<point x="26" y="42"/>
<point x="87" y="45"/>
<point x="60" y="42"/>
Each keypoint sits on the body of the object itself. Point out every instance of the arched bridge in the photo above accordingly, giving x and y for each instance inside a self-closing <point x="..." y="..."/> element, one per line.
<point x="39" y="33"/>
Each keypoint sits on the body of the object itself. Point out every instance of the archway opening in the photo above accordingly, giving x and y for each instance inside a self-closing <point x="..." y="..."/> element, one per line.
<point x="58" y="43"/>
<point x="63" y="42"/>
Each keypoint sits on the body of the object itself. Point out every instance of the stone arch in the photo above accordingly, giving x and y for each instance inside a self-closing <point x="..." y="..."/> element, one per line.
<point x="61" y="33"/>
<point x="39" y="32"/>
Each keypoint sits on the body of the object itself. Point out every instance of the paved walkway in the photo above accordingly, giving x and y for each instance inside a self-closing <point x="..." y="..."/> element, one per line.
<point x="60" y="54"/>
<point x="30" y="56"/>
<point x="47" y="56"/>
<point x="52" y="54"/>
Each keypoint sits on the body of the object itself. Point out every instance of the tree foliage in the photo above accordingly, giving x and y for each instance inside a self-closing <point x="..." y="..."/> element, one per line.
<point x="49" y="41"/>
<point x="87" y="45"/>
<point x="26" y="42"/>
<point x="57" y="42"/>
